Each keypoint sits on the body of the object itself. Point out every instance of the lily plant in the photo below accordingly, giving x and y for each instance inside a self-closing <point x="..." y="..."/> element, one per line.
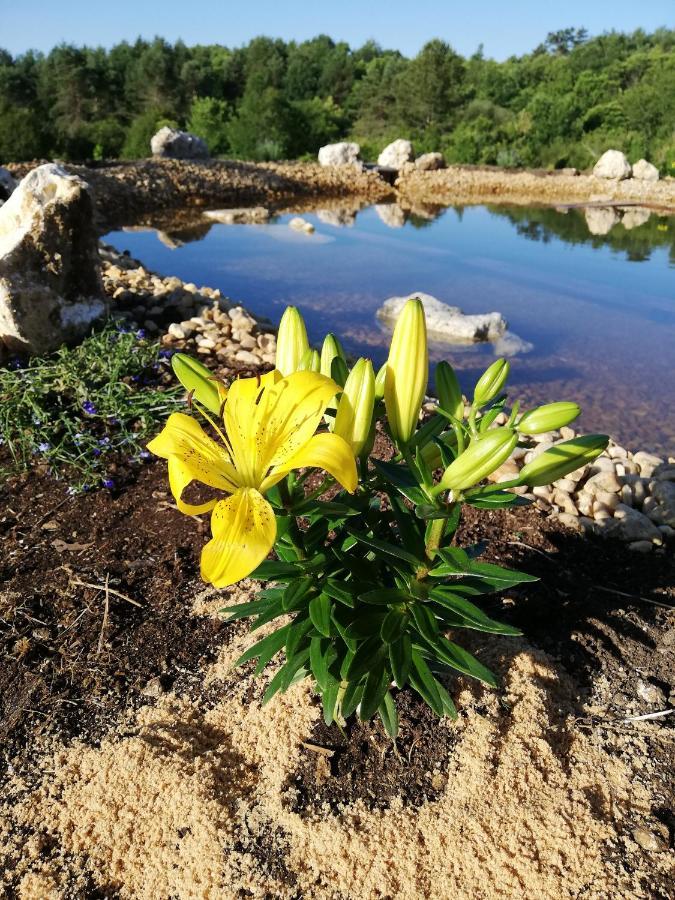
<point x="368" y="587"/>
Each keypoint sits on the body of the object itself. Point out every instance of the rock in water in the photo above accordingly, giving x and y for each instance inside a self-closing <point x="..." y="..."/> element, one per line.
<point x="396" y="154"/>
<point x="430" y="162"/>
<point x="173" y="144"/>
<point x="601" y="219"/>
<point x="447" y="323"/>
<point x="50" y="286"/>
<point x="612" y="164"/>
<point x="7" y="184"/>
<point x="645" y="171"/>
<point x="345" y="153"/>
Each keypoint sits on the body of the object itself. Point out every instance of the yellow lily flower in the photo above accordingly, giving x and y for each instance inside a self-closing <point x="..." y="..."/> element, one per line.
<point x="270" y="424"/>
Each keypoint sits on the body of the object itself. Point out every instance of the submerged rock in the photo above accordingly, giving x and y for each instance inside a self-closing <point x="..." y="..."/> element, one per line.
<point x="344" y="153"/>
<point x="645" y="171"/>
<point x="297" y="223"/>
<point x="173" y="144"/>
<point x="612" y="164"/>
<point x="244" y="215"/>
<point x="396" y="154"/>
<point x="448" y="323"/>
<point x="50" y="287"/>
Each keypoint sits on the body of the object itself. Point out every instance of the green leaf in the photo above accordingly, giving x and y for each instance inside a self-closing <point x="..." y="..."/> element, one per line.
<point x="272" y="570"/>
<point x="385" y="596"/>
<point x="295" y="594"/>
<point x="242" y="610"/>
<point x="473" y="616"/>
<point x="389" y="715"/>
<point x="428" y="511"/>
<point x="457" y="562"/>
<point x="431" y="428"/>
<point x="342" y="592"/>
<point x="425" y="684"/>
<point x="368" y="654"/>
<point x="382" y="547"/>
<point x="496" y="500"/>
<point x="325" y="508"/>
<point x="449" y="708"/>
<point x="425" y="620"/>
<point x="273" y="611"/>
<point x="199" y="380"/>
<point x="329" y="697"/>
<point x="322" y="654"/>
<point x="351" y="697"/>
<point x="402" y="479"/>
<point x="315" y="565"/>
<point x="320" y="609"/>
<point x="266" y="648"/>
<point x="458" y="658"/>
<point x="400" y="657"/>
<point x="368" y="622"/>
<point x="283" y="678"/>
<point x="373" y="692"/>
<point x="296" y="633"/>
<point x="393" y="625"/>
<point x="408" y="528"/>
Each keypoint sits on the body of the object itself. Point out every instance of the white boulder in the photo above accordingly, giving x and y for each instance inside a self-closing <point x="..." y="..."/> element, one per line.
<point x="173" y="144"/>
<point x="645" y="171"/>
<point x="50" y="286"/>
<point x="430" y="162"/>
<point x="245" y="215"/>
<point x="7" y="184"/>
<point x="345" y="153"/>
<point x="612" y="164"/>
<point x="447" y="323"/>
<point x="396" y="154"/>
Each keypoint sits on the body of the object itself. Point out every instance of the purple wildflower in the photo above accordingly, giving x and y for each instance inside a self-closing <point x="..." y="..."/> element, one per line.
<point x="108" y="483"/>
<point x="140" y="334"/>
<point x="44" y="446"/>
<point x="89" y="408"/>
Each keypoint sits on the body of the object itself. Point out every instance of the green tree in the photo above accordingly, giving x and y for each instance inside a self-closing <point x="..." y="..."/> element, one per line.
<point x="209" y="120"/>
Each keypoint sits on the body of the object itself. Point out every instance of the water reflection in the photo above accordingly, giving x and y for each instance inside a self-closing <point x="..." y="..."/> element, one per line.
<point x="584" y="321"/>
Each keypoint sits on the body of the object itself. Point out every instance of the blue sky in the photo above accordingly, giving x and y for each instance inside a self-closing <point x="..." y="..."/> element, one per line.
<point x="503" y="27"/>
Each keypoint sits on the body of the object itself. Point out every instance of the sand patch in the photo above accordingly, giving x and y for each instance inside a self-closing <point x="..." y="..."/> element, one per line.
<point x="194" y="802"/>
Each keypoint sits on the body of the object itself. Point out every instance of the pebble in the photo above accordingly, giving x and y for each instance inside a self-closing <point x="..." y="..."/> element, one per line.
<point x="652" y="841"/>
<point x="641" y="546"/>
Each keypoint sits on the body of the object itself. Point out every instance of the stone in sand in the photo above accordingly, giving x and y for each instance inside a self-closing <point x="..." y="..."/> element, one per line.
<point x="612" y="164"/>
<point x="50" y="286"/>
<point x="174" y="144"/>
<point x="396" y="154"/>
<point x="445" y="322"/>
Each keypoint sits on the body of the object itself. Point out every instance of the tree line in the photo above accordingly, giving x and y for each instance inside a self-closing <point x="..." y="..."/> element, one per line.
<point x="563" y="104"/>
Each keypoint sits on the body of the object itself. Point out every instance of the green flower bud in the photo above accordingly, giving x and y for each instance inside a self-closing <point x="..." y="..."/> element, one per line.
<point x="380" y="379"/>
<point x="480" y="459"/>
<point x="491" y="382"/>
<point x="331" y="349"/>
<point x="449" y="391"/>
<point x="310" y="361"/>
<point x="199" y="381"/>
<point x="292" y="343"/>
<point x="548" y="417"/>
<point x="355" y="409"/>
<point x="407" y="371"/>
<point x="561" y="459"/>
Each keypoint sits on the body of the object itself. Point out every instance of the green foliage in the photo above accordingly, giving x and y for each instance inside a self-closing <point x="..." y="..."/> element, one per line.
<point x="83" y="410"/>
<point x="563" y="104"/>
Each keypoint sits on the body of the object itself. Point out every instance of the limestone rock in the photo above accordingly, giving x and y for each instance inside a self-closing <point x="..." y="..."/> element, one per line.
<point x="50" y="285"/>
<point x="396" y="154"/>
<point x="447" y="323"/>
<point x="612" y="164"/>
<point x="297" y="223"/>
<point x="174" y="144"/>
<point x="7" y="184"/>
<point x="345" y="153"/>
<point x="430" y="162"/>
<point x="600" y="219"/>
<point x="645" y="171"/>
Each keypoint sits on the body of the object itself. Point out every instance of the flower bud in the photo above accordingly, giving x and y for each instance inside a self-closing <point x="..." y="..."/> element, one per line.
<point x="491" y="382"/>
<point x="380" y="379"/>
<point x="292" y="343"/>
<point x="480" y="459"/>
<point x="355" y="409"/>
<point x="548" y="417"/>
<point x="407" y="371"/>
<point x="561" y="459"/>
<point x="330" y="350"/>
<point x="199" y="382"/>
<point x="449" y="391"/>
<point x="309" y="362"/>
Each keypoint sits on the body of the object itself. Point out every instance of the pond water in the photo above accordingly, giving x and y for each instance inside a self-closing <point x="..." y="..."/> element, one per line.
<point x="589" y="295"/>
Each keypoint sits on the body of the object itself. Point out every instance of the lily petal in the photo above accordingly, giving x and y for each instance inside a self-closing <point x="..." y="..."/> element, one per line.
<point x="180" y="476"/>
<point x="244" y="530"/>
<point x="329" y="452"/>
<point x="207" y="461"/>
<point x="288" y="415"/>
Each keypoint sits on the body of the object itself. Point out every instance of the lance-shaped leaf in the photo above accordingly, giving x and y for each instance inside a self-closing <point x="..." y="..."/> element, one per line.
<point x="472" y="616"/>
<point x="199" y="382"/>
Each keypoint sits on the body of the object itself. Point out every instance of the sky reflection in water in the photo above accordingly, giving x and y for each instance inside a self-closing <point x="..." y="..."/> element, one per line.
<point x="598" y="309"/>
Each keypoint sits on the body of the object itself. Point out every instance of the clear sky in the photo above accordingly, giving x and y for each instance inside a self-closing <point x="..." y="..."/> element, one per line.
<point x="504" y="27"/>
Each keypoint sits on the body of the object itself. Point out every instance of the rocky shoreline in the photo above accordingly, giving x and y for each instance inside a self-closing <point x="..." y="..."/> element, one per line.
<point x="623" y="495"/>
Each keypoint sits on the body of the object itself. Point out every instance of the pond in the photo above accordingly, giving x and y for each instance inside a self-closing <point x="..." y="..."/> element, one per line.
<point x="588" y="294"/>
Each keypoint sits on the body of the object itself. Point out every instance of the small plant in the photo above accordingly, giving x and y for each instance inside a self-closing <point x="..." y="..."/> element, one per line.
<point x="369" y="586"/>
<point x="82" y="410"/>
